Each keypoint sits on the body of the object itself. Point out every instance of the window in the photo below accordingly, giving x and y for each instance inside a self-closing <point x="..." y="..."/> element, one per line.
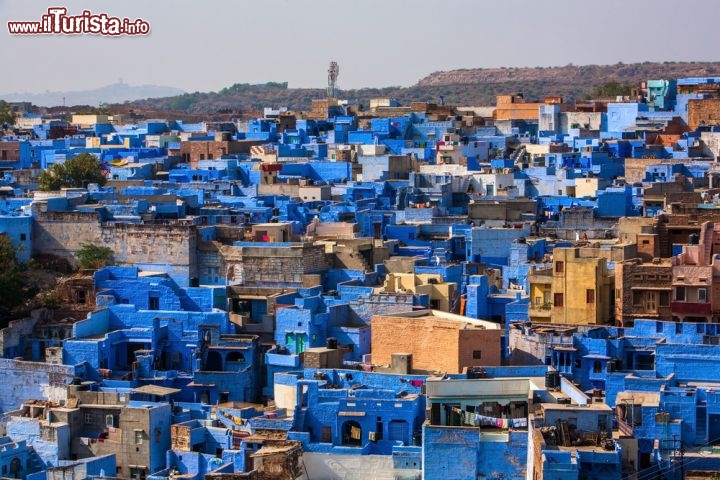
<point x="589" y="296"/>
<point x="650" y="302"/>
<point x="664" y="299"/>
<point x="559" y="267"/>
<point x="23" y="237"/>
<point x="80" y="297"/>
<point x="680" y="294"/>
<point x="477" y="354"/>
<point x="154" y="303"/>
<point x="702" y="295"/>
<point x="137" y="473"/>
<point x="138" y="437"/>
<point x="88" y="419"/>
<point x="637" y="298"/>
<point x="538" y="301"/>
<point x="559" y="297"/>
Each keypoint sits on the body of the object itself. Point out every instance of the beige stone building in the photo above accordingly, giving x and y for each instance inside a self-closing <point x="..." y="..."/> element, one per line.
<point x="437" y="341"/>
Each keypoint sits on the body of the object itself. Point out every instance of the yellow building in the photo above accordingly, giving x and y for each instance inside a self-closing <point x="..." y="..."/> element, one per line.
<point x="540" y="295"/>
<point x="90" y="119"/>
<point x="442" y="294"/>
<point x="577" y="290"/>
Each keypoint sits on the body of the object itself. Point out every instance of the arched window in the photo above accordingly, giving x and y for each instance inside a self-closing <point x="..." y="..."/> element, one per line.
<point x="235" y="357"/>
<point x="15" y="466"/>
<point x="213" y="363"/>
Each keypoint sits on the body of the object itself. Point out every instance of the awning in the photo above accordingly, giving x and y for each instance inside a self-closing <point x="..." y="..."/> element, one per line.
<point x="651" y="287"/>
<point x="156" y="390"/>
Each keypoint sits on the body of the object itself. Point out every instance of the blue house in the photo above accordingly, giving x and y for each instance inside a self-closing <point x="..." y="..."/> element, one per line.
<point x="17" y="459"/>
<point x="350" y="411"/>
<point x="18" y="228"/>
<point x="152" y="332"/>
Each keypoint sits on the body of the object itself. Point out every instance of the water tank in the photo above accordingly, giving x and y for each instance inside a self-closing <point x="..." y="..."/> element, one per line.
<point x="552" y="380"/>
<point x="332" y="343"/>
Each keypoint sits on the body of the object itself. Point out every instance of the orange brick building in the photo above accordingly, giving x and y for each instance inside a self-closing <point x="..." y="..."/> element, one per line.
<point x="438" y="341"/>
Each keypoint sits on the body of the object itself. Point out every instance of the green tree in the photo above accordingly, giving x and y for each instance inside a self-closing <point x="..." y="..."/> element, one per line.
<point x="7" y="115"/>
<point x="11" y="282"/>
<point x="76" y="172"/>
<point x="53" y="178"/>
<point x="610" y="89"/>
<point x="93" y="257"/>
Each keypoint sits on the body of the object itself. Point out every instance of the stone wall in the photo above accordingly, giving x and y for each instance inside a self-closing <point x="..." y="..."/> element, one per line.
<point x="173" y="245"/>
<point x="274" y="266"/>
<point x="32" y="380"/>
<point x="61" y="234"/>
<point x="703" y="112"/>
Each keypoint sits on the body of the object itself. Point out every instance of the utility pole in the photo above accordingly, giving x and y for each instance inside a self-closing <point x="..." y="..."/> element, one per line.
<point x="678" y="447"/>
<point x="682" y="461"/>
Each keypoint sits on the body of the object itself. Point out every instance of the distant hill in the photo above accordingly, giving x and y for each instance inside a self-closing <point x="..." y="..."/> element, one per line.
<point x="475" y="87"/>
<point x="572" y="74"/>
<point x="116" y="93"/>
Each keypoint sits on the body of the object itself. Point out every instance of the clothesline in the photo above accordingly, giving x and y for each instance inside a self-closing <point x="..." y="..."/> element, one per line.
<point x="477" y="420"/>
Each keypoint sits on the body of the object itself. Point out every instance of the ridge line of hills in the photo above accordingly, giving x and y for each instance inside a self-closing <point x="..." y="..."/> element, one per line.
<point x="473" y="87"/>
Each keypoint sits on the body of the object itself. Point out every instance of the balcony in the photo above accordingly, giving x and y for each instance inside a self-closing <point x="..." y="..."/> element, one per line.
<point x="540" y="311"/>
<point x="689" y="308"/>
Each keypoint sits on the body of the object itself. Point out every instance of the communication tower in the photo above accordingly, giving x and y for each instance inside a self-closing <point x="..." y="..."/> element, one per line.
<point x="333" y="72"/>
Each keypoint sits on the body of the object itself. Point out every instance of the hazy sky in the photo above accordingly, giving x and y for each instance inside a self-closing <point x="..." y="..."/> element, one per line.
<point x="207" y="45"/>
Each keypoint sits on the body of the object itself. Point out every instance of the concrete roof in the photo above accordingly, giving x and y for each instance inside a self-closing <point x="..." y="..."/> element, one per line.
<point x="648" y="399"/>
<point x="155" y="390"/>
<point x="439" y="314"/>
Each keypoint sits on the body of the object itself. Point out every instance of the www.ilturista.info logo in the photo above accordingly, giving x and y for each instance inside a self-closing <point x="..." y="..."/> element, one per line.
<point x="58" y="22"/>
